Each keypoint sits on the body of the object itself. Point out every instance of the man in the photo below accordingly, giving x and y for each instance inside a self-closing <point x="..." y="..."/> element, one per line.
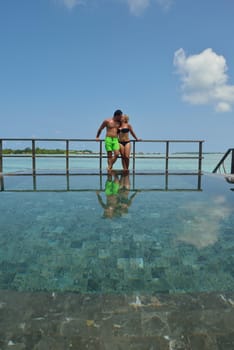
<point x="111" y="139"/>
<point x="111" y="191"/>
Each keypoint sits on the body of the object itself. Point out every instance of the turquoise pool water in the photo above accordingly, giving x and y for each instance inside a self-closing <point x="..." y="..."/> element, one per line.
<point x="136" y="234"/>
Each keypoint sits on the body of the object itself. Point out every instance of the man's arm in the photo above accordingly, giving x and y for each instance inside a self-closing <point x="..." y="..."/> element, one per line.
<point x="100" y="200"/>
<point x="103" y="125"/>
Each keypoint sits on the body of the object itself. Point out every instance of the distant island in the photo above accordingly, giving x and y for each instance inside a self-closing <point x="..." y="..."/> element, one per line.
<point x="39" y="150"/>
<point x="56" y="151"/>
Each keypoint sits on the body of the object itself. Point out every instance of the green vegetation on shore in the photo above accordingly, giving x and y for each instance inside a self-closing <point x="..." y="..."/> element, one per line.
<point x="39" y="150"/>
<point x="56" y="151"/>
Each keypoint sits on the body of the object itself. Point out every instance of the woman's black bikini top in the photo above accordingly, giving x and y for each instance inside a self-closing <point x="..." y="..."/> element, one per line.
<point x="123" y="130"/>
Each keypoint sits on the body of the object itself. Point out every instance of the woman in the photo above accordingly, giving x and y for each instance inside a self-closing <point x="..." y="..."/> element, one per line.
<point x="124" y="189"/>
<point x="124" y="140"/>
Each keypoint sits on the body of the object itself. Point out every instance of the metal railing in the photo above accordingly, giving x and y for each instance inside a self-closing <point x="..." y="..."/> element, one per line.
<point x="230" y="152"/>
<point x="68" y="183"/>
<point x="166" y="155"/>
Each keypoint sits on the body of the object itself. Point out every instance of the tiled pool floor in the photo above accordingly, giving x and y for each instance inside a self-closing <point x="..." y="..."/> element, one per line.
<point x="43" y="321"/>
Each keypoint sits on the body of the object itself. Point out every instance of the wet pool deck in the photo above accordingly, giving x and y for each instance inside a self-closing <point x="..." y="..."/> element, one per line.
<point x="43" y="321"/>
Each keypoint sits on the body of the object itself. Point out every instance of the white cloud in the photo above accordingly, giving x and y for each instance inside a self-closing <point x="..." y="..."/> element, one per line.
<point x="204" y="79"/>
<point x="70" y="4"/>
<point x="223" y="107"/>
<point x="136" y="7"/>
<point x="165" y="4"/>
<point x="200" y="223"/>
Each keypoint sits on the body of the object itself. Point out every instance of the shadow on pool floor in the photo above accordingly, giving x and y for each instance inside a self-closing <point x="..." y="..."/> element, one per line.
<point x="50" y="321"/>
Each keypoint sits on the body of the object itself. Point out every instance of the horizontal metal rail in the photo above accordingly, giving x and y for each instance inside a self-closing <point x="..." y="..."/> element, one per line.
<point x="100" y="154"/>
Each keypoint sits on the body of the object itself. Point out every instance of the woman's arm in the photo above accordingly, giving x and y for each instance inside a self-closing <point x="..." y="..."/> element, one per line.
<point x="133" y="133"/>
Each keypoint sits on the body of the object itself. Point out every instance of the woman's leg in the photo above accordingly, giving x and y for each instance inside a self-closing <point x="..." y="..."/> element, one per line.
<point x="127" y="150"/>
<point x="122" y="152"/>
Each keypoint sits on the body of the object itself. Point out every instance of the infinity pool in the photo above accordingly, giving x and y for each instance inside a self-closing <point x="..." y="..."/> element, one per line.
<point x="141" y="262"/>
<point x="142" y="234"/>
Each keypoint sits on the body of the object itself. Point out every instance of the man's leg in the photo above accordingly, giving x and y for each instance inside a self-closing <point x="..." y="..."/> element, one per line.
<point x="109" y="160"/>
<point x="115" y="150"/>
<point x="115" y="157"/>
<point x="108" y="146"/>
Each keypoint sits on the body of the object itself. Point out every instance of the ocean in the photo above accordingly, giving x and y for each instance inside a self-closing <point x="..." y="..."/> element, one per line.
<point x="145" y="162"/>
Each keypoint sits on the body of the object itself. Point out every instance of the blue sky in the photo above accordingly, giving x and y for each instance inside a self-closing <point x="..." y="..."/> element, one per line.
<point x="66" y="65"/>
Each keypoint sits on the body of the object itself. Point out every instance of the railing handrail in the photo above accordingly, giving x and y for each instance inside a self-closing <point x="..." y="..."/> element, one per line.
<point x="78" y="139"/>
<point x="100" y="153"/>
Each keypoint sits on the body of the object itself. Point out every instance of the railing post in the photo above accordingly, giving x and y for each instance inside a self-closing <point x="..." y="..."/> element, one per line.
<point x="34" y="182"/>
<point x="100" y="181"/>
<point x="199" y="181"/>
<point x="232" y="162"/>
<point x="200" y="158"/>
<point x="133" y="181"/>
<point x="167" y="157"/>
<point x="166" y="181"/>
<point x="68" y="182"/>
<point x="1" y="183"/>
<point x="100" y="157"/>
<point x="1" y="168"/>
<point x="33" y="157"/>
<point x="134" y="156"/>
<point x="67" y="157"/>
<point x="1" y="162"/>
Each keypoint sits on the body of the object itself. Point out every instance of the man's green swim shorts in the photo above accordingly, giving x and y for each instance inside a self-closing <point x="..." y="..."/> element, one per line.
<point x="111" y="144"/>
<point x="111" y="188"/>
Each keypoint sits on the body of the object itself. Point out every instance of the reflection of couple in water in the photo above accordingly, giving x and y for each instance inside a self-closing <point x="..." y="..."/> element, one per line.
<point x="117" y="196"/>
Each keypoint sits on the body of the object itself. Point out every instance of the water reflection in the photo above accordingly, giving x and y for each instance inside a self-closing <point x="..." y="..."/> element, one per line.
<point x="200" y="221"/>
<point x="23" y="182"/>
<point x="117" y="191"/>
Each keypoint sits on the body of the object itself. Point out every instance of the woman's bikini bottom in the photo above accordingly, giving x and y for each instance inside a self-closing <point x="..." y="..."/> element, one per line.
<point x="123" y="142"/>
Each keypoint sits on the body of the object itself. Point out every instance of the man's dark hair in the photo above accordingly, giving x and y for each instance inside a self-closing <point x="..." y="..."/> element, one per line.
<point x="118" y="112"/>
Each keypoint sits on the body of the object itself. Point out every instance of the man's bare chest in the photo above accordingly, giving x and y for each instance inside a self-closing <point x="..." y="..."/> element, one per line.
<point x="112" y="124"/>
